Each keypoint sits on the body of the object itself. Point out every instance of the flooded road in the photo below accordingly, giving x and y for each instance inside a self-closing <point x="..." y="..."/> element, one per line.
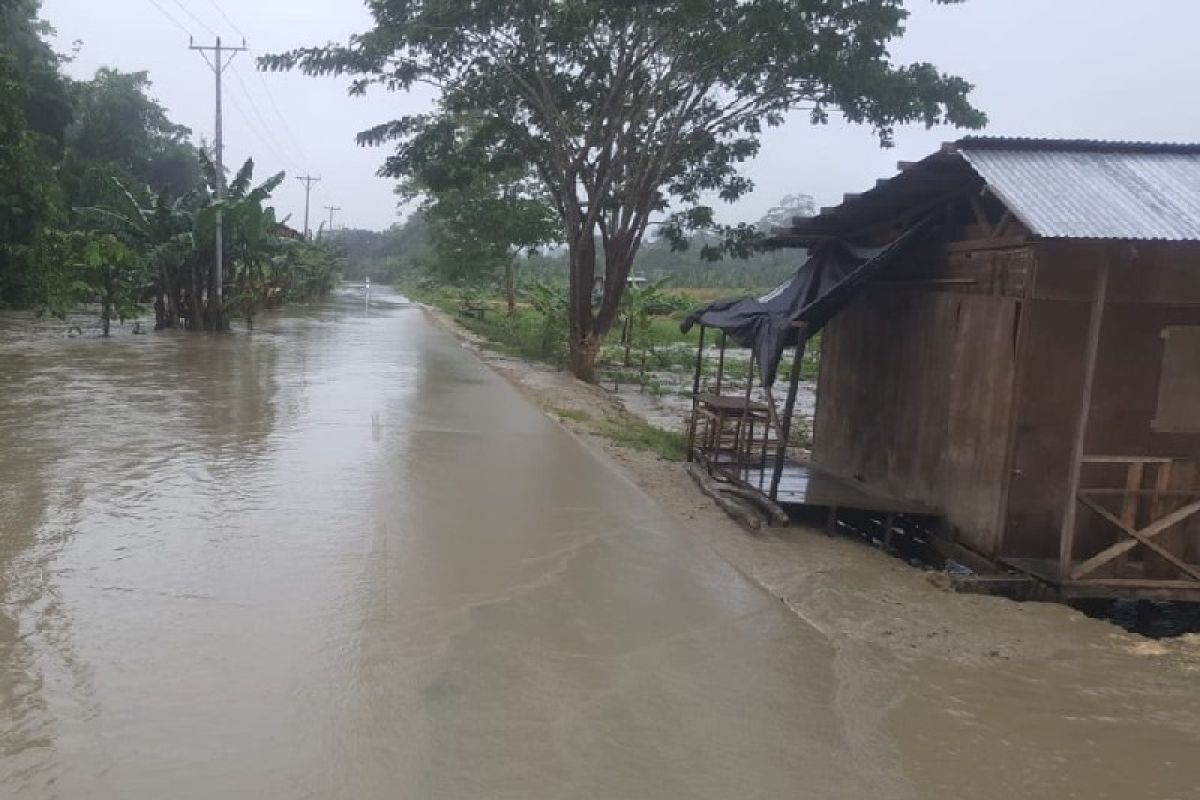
<point x="341" y="558"/>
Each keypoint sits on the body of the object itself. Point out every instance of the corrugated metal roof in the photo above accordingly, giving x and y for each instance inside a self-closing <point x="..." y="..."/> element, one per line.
<point x="1093" y="190"/>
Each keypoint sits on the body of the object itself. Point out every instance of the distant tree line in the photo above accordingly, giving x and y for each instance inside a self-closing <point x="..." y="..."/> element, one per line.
<point x="475" y="249"/>
<point x="104" y="199"/>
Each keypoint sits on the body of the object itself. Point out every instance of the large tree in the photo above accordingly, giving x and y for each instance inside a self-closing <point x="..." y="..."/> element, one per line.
<point x="625" y="109"/>
<point x="121" y="131"/>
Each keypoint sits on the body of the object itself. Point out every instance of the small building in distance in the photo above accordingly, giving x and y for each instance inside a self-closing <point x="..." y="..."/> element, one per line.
<point x="1032" y="370"/>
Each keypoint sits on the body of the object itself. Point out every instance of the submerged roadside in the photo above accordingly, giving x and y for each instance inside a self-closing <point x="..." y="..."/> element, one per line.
<point x="853" y="593"/>
<point x="1046" y="689"/>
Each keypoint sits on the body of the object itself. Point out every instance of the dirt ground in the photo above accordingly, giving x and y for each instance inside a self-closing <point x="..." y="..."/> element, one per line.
<point x="850" y="591"/>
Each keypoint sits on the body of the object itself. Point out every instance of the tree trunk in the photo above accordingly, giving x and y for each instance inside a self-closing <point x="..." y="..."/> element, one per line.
<point x="583" y="343"/>
<point x="627" y="340"/>
<point x="582" y="359"/>
<point x="106" y="302"/>
<point x="510" y="286"/>
<point x="195" y="299"/>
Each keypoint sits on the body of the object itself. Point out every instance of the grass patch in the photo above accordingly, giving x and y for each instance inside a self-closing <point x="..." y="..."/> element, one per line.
<point x="525" y="334"/>
<point x="637" y="434"/>
<point x="628" y="430"/>
<point x="573" y="414"/>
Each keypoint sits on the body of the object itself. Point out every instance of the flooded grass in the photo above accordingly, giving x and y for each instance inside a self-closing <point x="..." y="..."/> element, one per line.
<point x="629" y="430"/>
<point x="573" y="414"/>
<point x="635" y="433"/>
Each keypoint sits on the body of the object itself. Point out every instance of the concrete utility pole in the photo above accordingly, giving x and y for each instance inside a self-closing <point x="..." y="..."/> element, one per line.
<point x="308" y="181"/>
<point x="331" y="210"/>
<point x="222" y="56"/>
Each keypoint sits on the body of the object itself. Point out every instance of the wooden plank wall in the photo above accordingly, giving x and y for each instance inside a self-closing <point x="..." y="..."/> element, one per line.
<point x="1152" y="286"/>
<point x="916" y="388"/>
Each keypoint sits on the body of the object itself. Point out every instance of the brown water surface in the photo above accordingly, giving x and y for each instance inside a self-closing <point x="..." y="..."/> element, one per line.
<point x="340" y="558"/>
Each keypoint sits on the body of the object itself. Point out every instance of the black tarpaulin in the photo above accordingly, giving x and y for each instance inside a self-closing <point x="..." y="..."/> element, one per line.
<point x="828" y="280"/>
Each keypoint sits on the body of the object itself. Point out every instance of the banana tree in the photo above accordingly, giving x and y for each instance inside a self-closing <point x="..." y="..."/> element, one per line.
<point x="250" y="243"/>
<point x="162" y="232"/>
<point x="639" y="306"/>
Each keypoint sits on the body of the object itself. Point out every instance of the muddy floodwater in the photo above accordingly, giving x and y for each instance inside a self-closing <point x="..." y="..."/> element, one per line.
<point x="341" y="558"/>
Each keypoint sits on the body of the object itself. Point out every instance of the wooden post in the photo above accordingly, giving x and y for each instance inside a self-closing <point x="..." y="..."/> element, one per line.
<point x="745" y="415"/>
<point x="1066" y="540"/>
<point x="789" y="408"/>
<point x="699" y="365"/>
<point x="691" y="440"/>
<point x="721" y="364"/>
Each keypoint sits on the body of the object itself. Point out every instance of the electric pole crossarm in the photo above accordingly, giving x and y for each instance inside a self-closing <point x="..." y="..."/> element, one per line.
<point x="308" y="181"/>
<point x="332" y="210"/>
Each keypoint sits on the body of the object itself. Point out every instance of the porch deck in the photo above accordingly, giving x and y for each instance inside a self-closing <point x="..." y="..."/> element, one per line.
<point x="805" y="485"/>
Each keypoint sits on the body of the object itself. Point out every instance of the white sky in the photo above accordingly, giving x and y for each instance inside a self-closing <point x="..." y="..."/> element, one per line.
<point x="1075" y="68"/>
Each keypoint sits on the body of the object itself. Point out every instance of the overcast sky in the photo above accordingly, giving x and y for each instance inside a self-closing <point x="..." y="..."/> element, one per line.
<point x="1076" y="68"/>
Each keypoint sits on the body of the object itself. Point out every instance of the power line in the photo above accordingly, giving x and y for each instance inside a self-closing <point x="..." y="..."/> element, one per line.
<point x="268" y="143"/>
<point x="225" y="17"/>
<point x="170" y="17"/>
<point x="287" y="129"/>
<point x="274" y="143"/>
<point x="195" y="19"/>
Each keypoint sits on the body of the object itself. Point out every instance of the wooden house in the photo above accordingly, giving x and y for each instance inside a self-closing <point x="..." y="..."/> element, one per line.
<point x="1032" y="370"/>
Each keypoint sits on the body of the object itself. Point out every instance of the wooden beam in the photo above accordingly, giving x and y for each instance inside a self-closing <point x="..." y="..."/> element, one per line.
<point x="1129" y="502"/>
<point x="1102" y="459"/>
<point x="1005" y="218"/>
<point x="981" y="216"/>
<point x="1162" y="487"/>
<point x="968" y="245"/>
<point x="1136" y="583"/>
<point x="1128" y="544"/>
<point x="905" y="166"/>
<point x="1152" y="493"/>
<point x="1142" y="537"/>
<point x="1066" y="541"/>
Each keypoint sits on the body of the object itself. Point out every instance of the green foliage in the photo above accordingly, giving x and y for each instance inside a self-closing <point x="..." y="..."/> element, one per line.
<point x="110" y="274"/>
<point x="89" y="267"/>
<point x="305" y="271"/>
<point x="120" y="131"/>
<point x="252" y="247"/>
<point x="479" y="224"/>
<point x="551" y="305"/>
<point x="573" y="414"/>
<point x="29" y="196"/>
<point x="402" y="251"/>
<point x="639" y="307"/>
<point x="635" y="433"/>
<point x="45" y="102"/>
<point x="85" y="169"/>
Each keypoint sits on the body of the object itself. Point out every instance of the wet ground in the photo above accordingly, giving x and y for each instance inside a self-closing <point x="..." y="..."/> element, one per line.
<point x="342" y="558"/>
